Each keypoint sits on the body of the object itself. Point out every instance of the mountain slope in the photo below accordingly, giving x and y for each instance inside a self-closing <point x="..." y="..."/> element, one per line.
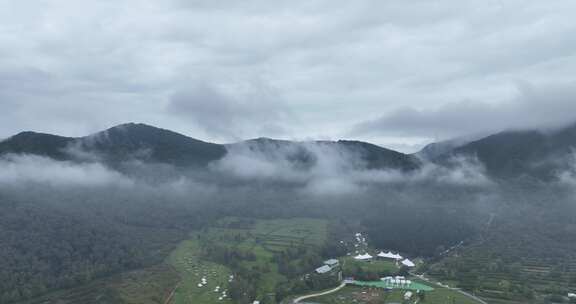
<point x="37" y="143"/>
<point x="120" y="143"/>
<point x="149" y="143"/>
<point x="306" y="154"/>
<point x="532" y="153"/>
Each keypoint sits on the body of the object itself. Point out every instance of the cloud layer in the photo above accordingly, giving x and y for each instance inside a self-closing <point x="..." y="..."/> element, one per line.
<point x="534" y="107"/>
<point x="74" y="68"/>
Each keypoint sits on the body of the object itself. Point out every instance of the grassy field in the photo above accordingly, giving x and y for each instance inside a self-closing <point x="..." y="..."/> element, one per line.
<point x="260" y="238"/>
<point x="445" y="295"/>
<point x="185" y="259"/>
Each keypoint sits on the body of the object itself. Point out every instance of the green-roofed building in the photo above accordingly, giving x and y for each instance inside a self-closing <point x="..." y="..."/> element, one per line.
<point x="387" y="285"/>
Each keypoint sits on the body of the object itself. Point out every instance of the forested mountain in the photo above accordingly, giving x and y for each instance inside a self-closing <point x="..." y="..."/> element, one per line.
<point x="539" y="154"/>
<point x="154" y="145"/>
<point x="37" y="143"/>
<point x="307" y="153"/>
<point x="120" y="143"/>
<point x="151" y="144"/>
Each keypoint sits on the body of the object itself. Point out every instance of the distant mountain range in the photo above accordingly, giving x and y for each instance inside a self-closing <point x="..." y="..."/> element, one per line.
<point x="150" y="144"/>
<point x="509" y="154"/>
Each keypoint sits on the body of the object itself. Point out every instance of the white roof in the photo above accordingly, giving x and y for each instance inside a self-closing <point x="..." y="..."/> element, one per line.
<point x="365" y="256"/>
<point x="390" y="255"/>
<point x="408" y="263"/>
<point x="323" y="269"/>
<point x="331" y="262"/>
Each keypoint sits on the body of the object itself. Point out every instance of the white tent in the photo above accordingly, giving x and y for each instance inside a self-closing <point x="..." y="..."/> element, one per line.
<point x="390" y="255"/>
<point x="363" y="257"/>
<point x="408" y="263"/>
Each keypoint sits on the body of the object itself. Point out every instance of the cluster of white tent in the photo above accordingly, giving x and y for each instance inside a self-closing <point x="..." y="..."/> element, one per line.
<point x="397" y="281"/>
<point x="386" y="255"/>
<point x="203" y="282"/>
<point x="390" y="255"/>
<point x="217" y="289"/>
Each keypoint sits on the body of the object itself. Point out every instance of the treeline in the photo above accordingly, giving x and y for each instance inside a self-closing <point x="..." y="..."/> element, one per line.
<point x="47" y="244"/>
<point x="43" y="250"/>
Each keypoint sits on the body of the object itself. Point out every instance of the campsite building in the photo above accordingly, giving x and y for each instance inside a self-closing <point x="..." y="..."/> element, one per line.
<point x="332" y="263"/>
<point x="323" y="269"/>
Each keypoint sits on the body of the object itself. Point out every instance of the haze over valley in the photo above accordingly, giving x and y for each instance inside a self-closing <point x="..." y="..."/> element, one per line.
<point x="257" y="152"/>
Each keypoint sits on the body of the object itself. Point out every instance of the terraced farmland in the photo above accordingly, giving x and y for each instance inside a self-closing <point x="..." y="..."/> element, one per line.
<point x="253" y="244"/>
<point x="501" y="278"/>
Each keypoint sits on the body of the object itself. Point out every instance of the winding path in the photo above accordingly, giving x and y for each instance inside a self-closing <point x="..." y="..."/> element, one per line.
<point x="299" y="299"/>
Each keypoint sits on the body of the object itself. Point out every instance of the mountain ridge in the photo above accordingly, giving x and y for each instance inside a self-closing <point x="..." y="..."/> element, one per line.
<point x="509" y="154"/>
<point x="148" y="143"/>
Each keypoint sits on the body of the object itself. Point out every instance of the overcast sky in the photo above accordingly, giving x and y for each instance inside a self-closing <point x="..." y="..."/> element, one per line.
<point x="399" y="73"/>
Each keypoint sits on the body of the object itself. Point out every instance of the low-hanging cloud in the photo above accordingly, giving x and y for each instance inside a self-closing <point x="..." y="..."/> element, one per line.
<point x="535" y="106"/>
<point x="316" y="168"/>
<point x="251" y="110"/>
<point x="22" y="169"/>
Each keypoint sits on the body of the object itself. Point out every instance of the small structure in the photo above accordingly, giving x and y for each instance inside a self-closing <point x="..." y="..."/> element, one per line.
<point x="332" y="263"/>
<point x="408" y="263"/>
<point x="363" y="257"/>
<point x="408" y="295"/>
<point x="323" y="269"/>
<point x="572" y="295"/>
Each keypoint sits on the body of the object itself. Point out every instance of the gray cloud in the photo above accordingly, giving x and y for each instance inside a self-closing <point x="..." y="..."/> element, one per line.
<point x="533" y="107"/>
<point x="26" y="169"/>
<point x="74" y="68"/>
<point x="232" y="115"/>
<point x="338" y="171"/>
